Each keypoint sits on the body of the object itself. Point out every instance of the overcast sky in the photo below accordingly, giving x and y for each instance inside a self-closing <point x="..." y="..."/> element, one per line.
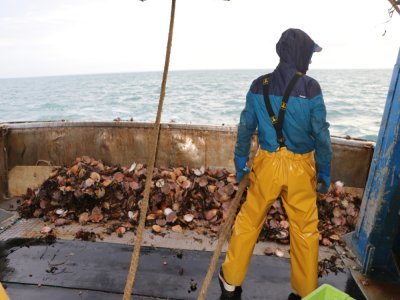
<point x="55" y="37"/>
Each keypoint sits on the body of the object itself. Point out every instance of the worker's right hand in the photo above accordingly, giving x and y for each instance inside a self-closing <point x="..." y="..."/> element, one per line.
<point x="241" y="167"/>
<point x="323" y="179"/>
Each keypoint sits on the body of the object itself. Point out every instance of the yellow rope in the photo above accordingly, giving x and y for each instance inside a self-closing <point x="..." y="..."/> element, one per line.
<point x="150" y="167"/>
<point x="224" y="234"/>
<point x="395" y="5"/>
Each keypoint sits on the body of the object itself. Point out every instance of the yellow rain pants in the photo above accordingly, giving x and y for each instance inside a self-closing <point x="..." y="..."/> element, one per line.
<point x="3" y="294"/>
<point x="292" y="176"/>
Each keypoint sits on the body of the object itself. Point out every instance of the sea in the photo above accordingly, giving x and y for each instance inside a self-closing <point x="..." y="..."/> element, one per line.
<point x="354" y="99"/>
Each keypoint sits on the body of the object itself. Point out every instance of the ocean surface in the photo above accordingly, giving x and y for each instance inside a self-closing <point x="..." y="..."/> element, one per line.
<point x="354" y="99"/>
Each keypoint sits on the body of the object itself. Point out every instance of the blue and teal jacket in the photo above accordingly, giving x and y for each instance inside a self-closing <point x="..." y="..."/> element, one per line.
<point x="305" y="127"/>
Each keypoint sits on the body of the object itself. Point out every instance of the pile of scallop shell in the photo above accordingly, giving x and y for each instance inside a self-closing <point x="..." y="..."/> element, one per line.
<point x="90" y="191"/>
<point x="338" y="213"/>
<point x="181" y="198"/>
<point x="337" y="210"/>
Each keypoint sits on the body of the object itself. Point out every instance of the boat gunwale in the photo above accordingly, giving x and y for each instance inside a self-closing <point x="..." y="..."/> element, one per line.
<point x="355" y="142"/>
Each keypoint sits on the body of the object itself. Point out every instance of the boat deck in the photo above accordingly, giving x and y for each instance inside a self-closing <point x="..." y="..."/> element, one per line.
<point x="86" y="270"/>
<point x="75" y="269"/>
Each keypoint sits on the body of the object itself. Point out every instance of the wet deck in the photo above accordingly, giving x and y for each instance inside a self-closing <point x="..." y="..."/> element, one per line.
<point x="90" y="270"/>
<point x="74" y="269"/>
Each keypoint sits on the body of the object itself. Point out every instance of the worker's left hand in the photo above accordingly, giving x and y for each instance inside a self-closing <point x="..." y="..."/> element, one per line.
<point x="241" y="167"/>
<point x="323" y="179"/>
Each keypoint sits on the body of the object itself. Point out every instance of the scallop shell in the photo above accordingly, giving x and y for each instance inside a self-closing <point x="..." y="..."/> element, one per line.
<point x="132" y="167"/>
<point x="269" y="251"/>
<point x="279" y="252"/>
<point x="188" y="218"/>
<point x="118" y="177"/>
<point x="199" y="172"/>
<point x="181" y="179"/>
<point x="203" y="181"/>
<point x="89" y="182"/>
<point x="120" y="231"/>
<point x="177" y="228"/>
<point x="100" y="192"/>
<point x="160" y="183"/>
<point x="46" y="229"/>
<point x="171" y="218"/>
<point x="156" y="228"/>
<point x="107" y="182"/>
<point x="37" y="213"/>
<point x="86" y="159"/>
<point x="161" y="222"/>
<point x="83" y="218"/>
<point x="337" y="212"/>
<point x="211" y="188"/>
<point x="82" y="173"/>
<point x="60" y="211"/>
<point x="209" y="214"/>
<point x="167" y="211"/>
<point x="283" y="234"/>
<point x="60" y="222"/>
<point x="74" y="169"/>
<point x="150" y="217"/>
<point x="96" y="215"/>
<point x="284" y="224"/>
<point x="134" y="185"/>
<point x="95" y="176"/>
<point x="334" y="237"/>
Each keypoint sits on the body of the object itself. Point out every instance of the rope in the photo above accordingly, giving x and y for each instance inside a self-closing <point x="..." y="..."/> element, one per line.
<point x="150" y="165"/>
<point x="395" y="5"/>
<point x="224" y="233"/>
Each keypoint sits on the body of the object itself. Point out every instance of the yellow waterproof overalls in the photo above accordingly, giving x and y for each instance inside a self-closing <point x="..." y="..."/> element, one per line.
<point x="3" y="294"/>
<point x="293" y="177"/>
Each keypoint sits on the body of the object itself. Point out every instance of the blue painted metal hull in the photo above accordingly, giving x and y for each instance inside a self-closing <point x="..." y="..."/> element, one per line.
<point x="377" y="237"/>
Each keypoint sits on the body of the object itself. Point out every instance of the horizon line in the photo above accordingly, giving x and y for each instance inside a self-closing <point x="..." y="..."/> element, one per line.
<point x="177" y="70"/>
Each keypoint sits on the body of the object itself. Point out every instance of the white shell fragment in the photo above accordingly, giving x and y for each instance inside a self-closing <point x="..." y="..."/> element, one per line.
<point x="132" y="167"/>
<point x="60" y="211"/>
<point x="188" y="218"/>
<point x="167" y="211"/>
<point x="279" y="252"/>
<point x="199" y="172"/>
<point x="160" y="183"/>
<point x="45" y="229"/>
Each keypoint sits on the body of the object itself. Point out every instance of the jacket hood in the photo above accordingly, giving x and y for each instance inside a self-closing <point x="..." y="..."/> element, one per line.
<point x="295" y="48"/>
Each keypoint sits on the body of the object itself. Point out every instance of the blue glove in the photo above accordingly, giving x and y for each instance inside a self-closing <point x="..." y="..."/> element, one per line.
<point x="324" y="178"/>
<point x="241" y="167"/>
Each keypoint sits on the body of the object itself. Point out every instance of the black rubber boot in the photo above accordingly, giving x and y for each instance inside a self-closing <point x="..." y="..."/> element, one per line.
<point x="228" y="293"/>
<point x="294" y="296"/>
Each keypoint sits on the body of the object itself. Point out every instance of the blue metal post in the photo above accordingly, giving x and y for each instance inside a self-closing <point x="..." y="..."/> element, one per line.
<point x="376" y="236"/>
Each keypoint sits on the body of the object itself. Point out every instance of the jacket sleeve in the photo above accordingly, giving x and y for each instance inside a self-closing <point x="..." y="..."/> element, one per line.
<point x="247" y="126"/>
<point x="320" y="133"/>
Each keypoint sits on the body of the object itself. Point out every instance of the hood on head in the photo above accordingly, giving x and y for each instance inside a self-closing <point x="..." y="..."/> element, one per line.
<point x="295" y="48"/>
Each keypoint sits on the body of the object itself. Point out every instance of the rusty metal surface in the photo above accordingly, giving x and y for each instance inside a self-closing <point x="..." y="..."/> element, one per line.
<point x="351" y="161"/>
<point x="3" y="162"/>
<point x="127" y="142"/>
<point x="376" y="289"/>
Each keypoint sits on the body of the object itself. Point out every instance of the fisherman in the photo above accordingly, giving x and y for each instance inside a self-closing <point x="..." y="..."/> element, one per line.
<point x="294" y="141"/>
